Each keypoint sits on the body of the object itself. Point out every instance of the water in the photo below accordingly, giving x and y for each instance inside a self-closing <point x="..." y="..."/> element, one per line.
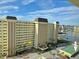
<point x="70" y="36"/>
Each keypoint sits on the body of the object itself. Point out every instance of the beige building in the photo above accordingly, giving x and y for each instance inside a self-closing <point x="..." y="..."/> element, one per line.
<point x="53" y="32"/>
<point x="11" y="36"/>
<point x="24" y="35"/>
<point x="3" y="37"/>
<point x="50" y="32"/>
<point x="56" y="29"/>
<point x="76" y="29"/>
<point x="17" y="36"/>
<point x="41" y="33"/>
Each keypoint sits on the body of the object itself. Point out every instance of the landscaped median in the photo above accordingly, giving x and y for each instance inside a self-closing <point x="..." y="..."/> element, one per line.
<point x="68" y="51"/>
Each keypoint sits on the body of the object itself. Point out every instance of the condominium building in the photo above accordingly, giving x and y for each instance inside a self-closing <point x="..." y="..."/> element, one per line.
<point x="3" y="37"/>
<point x="11" y="36"/>
<point x="41" y="33"/>
<point x="24" y="35"/>
<point x="76" y="29"/>
<point x="17" y="35"/>
<point x="56" y="29"/>
<point x="53" y="29"/>
<point x="50" y="32"/>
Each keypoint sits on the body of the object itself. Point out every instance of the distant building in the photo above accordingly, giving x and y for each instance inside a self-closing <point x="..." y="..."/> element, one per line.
<point x="76" y="33"/>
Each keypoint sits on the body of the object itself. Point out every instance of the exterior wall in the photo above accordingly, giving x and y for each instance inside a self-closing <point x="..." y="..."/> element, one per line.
<point x="55" y="34"/>
<point x="76" y="33"/>
<point x="24" y="35"/>
<point x="3" y="38"/>
<point x="41" y="34"/>
<point x="11" y="37"/>
<point x="50" y="32"/>
<point x="30" y="34"/>
<point x="76" y="29"/>
<point x="36" y="35"/>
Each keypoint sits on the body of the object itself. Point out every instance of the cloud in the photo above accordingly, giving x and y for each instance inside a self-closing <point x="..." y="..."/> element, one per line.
<point x="56" y="14"/>
<point x="26" y="2"/>
<point x="4" y="12"/>
<point x="10" y="7"/>
<point x="45" y="4"/>
<point x="56" y="10"/>
<point x="6" y="1"/>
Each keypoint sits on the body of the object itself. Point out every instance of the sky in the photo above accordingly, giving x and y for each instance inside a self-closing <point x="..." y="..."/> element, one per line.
<point x="54" y="10"/>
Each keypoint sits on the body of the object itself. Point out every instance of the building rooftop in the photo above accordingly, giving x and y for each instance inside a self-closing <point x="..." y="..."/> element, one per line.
<point x="41" y="20"/>
<point x="11" y="17"/>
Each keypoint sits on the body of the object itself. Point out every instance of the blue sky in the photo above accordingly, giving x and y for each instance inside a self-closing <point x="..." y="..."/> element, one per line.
<point x="54" y="10"/>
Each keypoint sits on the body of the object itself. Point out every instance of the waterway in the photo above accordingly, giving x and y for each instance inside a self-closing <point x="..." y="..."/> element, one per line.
<point x="71" y="36"/>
